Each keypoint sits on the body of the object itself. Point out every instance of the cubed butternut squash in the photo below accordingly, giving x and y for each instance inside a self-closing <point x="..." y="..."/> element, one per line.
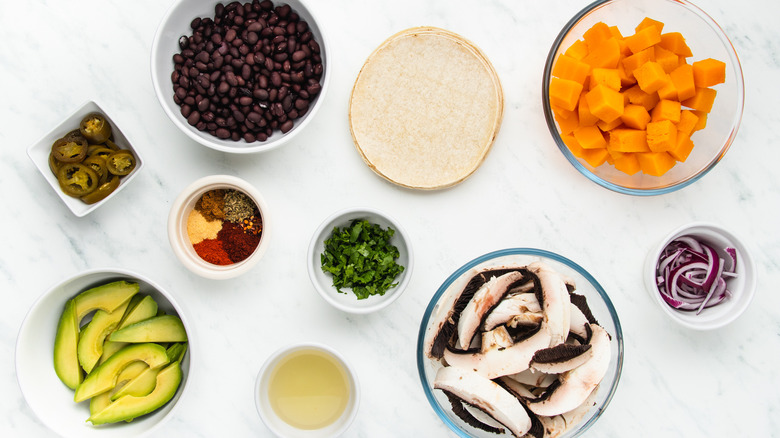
<point x="567" y="124"/>
<point x="595" y="157"/>
<point x="567" y="67"/>
<point x="687" y="123"/>
<point x="674" y="42"/>
<point x="682" y="147"/>
<point x="577" y="50"/>
<point x="650" y="76"/>
<point x="643" y="38"/>
<point x="625" y="162"/>
<point x="597" y="34"/>
<point x="605" y="103"/>
<point x="668" y="91"/>
<point x="709" y="72"/>
<point x="655" y="163"/>
<point x="647" y="22"/>
<point x="638" y="97"/>
<point x="635" y="116"/>
<point x="702" y="122"/>
<point x="661" y="136"/>
<point x="666" y="110"/>
<point x="573" y="145"/>
<point x="667" y="59"/>
<point x="608" y="126"/>
<point x="682" y="78"/>
<point x="604" y="55"/>
<point x="589" y="137"/>
<point x="586" y="118"/>
<point x="628" y="140"/>
<point x="633" y="62"/>
<point x="564" y="93"/>
<point x="605" y="76"/>
<point x="702" y="100"/>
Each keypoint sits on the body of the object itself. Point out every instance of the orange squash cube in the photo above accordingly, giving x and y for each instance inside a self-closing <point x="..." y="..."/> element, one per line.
<point x="605" y="103"/>
<point x="650" y="76"/>
<point x="647" y="22"/>
<point x="687" y="123"/>
<point x="589" y="137"/>
<point x="682" y="78"/>
<point x="605" y="55"/>
<point x="573" y="145"/>
<point x="667" y="59"/>
<point x="628" y="140"/>
<point x="597" y="34"/>
<point x="608" y="126"/>
<point x="666" y="110"/>
<point x="595" y="157"/>
<point x="644" y="38"/>
<point x="635" y="116"/>
<point x="668" y="91"/>
<point x="638" y="97"/>
<point x="655" y="163"/>
<point x="661" y="136"/>
<point x="633" y="62"/>
<point x="674" y="42"/>
<point x="577" y="50"/>
<point x="702" y="100"/>
<point x="586" y="117"/>
<point x="709" y="72"/>
<point x="570" y="68"/>
<point x="564" y="93"/>
<point x="702" y="122"/>
<point x="682" y="148"/>
<point x="625" y="162"/>
<point x="567" y="124"/>
<point x="605" y="76"/>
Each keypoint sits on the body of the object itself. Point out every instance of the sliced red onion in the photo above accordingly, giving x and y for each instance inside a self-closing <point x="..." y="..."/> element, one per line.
<point x="691" y="276"/>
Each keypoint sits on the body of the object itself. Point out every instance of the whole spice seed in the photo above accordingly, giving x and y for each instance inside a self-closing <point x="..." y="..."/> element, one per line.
<point x="238" y="206"/>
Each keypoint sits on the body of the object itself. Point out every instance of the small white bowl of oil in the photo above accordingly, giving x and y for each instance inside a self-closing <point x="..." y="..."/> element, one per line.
<point x="307" y="390"/>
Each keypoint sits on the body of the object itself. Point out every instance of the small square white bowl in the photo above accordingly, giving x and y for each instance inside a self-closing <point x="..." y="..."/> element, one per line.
<point x="39" y="154"/>
<point x="323" y="282"/>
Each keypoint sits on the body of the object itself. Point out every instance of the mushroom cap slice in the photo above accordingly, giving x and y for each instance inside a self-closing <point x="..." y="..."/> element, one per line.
<point x="486" y="395"/>
<point x="501" y="362"/>
<point x="555" y="302"/>
<point x="576" y="385"/>
<point x="561" y="358"/>
<point x="481" y="303"/>
<point x="511" y="307"/>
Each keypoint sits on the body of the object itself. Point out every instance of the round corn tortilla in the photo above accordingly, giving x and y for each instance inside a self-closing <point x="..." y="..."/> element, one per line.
<point x="426" y="108"/>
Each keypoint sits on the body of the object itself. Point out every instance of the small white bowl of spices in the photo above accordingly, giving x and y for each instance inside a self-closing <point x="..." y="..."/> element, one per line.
<point x="218" y="227"/>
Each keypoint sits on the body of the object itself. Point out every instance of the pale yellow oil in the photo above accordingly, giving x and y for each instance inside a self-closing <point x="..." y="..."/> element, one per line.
<point x="308" y="389"/>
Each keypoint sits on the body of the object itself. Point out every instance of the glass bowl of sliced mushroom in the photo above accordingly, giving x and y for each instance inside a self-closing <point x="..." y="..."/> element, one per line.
<point x="521" y="342"/>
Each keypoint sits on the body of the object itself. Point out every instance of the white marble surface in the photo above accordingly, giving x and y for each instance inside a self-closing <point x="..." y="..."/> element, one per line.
<point x="675" y="382"/>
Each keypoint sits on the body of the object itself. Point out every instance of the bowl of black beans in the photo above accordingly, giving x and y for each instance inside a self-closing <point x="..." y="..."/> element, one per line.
<point x="239" y="77"/>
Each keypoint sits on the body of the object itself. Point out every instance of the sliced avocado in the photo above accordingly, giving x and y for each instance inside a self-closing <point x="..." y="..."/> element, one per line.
<point x="128" y="407"/>
<point x="103" y="377"/>
<point x="146" y="381"/>
<point x="99" y="402"/>
<point x="145" y="307"/>
<point x="66" y="362"/>
<point x="166" y="328"/>
<point x="106" y="297"/>
<point x="93" y="335"/>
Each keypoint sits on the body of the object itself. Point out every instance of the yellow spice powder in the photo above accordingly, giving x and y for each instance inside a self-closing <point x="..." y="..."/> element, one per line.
<point x="200" y="229"/>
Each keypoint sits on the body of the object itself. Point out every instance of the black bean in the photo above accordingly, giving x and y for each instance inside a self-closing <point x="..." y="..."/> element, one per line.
<point x="222" y="133"/>
<point x="286" y="126"/>
<point x="193" y="118"/>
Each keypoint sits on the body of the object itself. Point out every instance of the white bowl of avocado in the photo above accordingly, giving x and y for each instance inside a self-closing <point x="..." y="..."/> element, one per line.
<point x="104" y="353"/>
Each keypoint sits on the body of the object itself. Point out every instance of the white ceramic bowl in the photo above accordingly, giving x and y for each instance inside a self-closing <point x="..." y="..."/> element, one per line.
<point x="50" y="400"/>
<point x="39" y="154"/>
<point x="281" y="428"/>
<point x="177" y="227"/>
<point x="323" y="282"/>
<point x="176" y="23"/>
<point x="743" y="287"/>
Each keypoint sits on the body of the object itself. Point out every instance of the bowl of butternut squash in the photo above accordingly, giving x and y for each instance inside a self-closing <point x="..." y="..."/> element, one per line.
<point x="643" y="97"/>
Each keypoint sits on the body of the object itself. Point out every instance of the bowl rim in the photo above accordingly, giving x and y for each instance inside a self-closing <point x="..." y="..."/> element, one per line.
<point x="746" y="262"/>
<point x="222" y="145"/>
<point x="313" y="264"/>
<point x="178" y="237"/>
<point x="550" y="119"/>
<point x="76" y="206"/>
<point x="118" y="272"/>
<point x="274" y="357"/>
<point x="421" y="358"/>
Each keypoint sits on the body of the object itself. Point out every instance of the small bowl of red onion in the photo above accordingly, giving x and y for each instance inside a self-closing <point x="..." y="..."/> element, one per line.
<point x="701" y="275"/>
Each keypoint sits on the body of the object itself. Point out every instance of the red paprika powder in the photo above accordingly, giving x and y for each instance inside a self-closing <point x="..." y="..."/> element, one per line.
<point x="237" y="243"/>
<point x="211" y="250"/>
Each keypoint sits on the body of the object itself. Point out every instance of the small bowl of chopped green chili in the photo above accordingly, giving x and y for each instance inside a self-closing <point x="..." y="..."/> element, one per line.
<point x="218" y="227"/>
<point x="360" y="260"/>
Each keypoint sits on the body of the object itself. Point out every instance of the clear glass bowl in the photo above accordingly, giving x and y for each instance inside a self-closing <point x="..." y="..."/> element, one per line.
<point x="706" y="40"/>
<point x="598" y="301"/>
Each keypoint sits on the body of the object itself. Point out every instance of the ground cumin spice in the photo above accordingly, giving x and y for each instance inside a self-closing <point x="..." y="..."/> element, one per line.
<point x="236" y="242"/>
<point x="212" y="205"/>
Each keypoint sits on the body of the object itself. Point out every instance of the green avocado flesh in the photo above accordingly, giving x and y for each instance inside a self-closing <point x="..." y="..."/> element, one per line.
<point x="166" y="328"/>
<point x="143" y="308"/>
<point x="66" y="363"/>
<point x="106" y="297"/>
<point x="93" y="335"/>
<point x="104" y="376"/>
<point x="144" y="382"/>
<point x="128" y="407"/>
